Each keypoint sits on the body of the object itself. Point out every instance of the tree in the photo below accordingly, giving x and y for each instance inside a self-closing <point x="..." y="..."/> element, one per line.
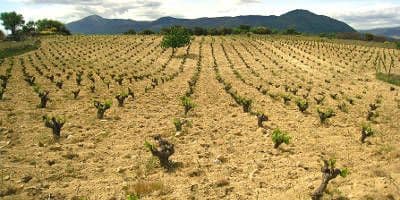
<point x="177" y="37"/>
<point x="291" y="31"/>
<point x="11" y="21"/>
<point x="130" y="32"/>
<point x="147" y="32"/>
<point x="224" y="31"/>
<point x="199" y="31"/>
<point x="29" y="28"/>
<point x="2" y="35"/>
<point x="369" y="37"/>
<point x="245" y="28"/>
<point x="52" y="26"/>
<point x="261" y="30"/>
<point x="212" y="31"/>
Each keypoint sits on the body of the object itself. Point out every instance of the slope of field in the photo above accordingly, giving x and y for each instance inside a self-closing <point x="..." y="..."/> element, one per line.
<point x="223" y="154"/>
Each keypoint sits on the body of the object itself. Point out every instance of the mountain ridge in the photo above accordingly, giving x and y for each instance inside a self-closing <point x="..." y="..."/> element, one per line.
<point x="302" y="20"/>
<point x="392" y="32"/>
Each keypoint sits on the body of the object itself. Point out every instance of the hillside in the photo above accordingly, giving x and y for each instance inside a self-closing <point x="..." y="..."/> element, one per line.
<point x="393" y="32"/>
<point x="302" y="20"/>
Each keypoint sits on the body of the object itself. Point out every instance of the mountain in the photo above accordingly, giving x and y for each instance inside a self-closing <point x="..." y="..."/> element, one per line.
<point x="393" y="32"/>
<point x="303" y="20"/>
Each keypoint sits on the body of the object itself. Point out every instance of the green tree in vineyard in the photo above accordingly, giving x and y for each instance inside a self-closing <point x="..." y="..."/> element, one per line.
<point x="175" y="38"/>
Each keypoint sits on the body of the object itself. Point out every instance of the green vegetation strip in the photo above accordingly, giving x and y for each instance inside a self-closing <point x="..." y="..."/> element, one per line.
<point x="392" y="79"/>
<point x="19" y="49"/>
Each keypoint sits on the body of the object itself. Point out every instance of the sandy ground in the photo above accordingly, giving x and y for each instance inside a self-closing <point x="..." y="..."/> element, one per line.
<point x="223" y="155"/>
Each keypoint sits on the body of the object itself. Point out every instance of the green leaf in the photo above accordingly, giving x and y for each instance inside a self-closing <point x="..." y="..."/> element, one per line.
<point x="344" y="172"/>
<point x="148" y="145"/>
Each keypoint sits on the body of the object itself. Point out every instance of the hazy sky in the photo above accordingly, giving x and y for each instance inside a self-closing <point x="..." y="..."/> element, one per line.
<point x="360" y="14"/>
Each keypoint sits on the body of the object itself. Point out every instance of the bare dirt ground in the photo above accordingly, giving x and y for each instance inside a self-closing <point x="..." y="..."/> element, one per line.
<point x="223" y="154"/>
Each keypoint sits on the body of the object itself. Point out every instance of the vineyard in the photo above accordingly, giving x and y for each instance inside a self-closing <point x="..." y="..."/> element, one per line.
<point x="241" y="117"/>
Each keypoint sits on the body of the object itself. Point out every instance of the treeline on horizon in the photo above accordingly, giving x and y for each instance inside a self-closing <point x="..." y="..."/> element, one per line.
<point x="20" y="29"/>
<point x="198" y="31"/>
<point x="262" y="30"/>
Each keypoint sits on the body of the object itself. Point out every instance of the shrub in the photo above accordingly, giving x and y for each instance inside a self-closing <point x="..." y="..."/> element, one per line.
<point x="302" y="104"/>
<point x="325" y="114"/>
<point x="246" y="104"/>
<point x="319" y="99"/>
<point x="2" y="90"/>
<point x="187" y="103"/>
<point x="55" y="123"/>
<point x="130" y="93"/>
<point x="92" y="88"/>
<point x="279" y="137"/>
<point x="343" y="107"/>
<point x="59" y="84"/>
<point x="372" y="114"/>
<point x="179" y="123"/>
<point x="286" y="98"/>
<point x="261" y="117"/>
<point x="30" y="80"/>
<point x="350" y="100"/>
<point x="102" y="108"/>
<point x="79" y="78"/>
<point x="366" y="131"/>
<point x="44" y="98"/>
<point x="121" y="98"/>
<point x="76" y="93"/>
<point x="329" y="172"/>
<point x="334" y="95"/>
<point x="119" y="79"/>
<point x="164" y="150"/>
<point x="373" y="106"/>
<point x="4" y="80"/>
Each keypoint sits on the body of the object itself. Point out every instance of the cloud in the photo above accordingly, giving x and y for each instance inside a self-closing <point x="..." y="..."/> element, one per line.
<point x="247" y="1"/>
<point x="366" y="19"/>
<point x="75" y="9"/>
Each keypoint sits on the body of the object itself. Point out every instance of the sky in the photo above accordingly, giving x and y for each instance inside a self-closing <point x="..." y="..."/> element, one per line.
<point x="360" y="14"/>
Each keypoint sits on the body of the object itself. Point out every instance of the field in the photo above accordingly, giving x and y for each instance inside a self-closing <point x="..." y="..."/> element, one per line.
<point x="223" y="153"/>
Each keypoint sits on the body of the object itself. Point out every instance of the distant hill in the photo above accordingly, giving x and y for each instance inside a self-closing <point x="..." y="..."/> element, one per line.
<point x="303" y="20"/>
<point x="393" y="32"/>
